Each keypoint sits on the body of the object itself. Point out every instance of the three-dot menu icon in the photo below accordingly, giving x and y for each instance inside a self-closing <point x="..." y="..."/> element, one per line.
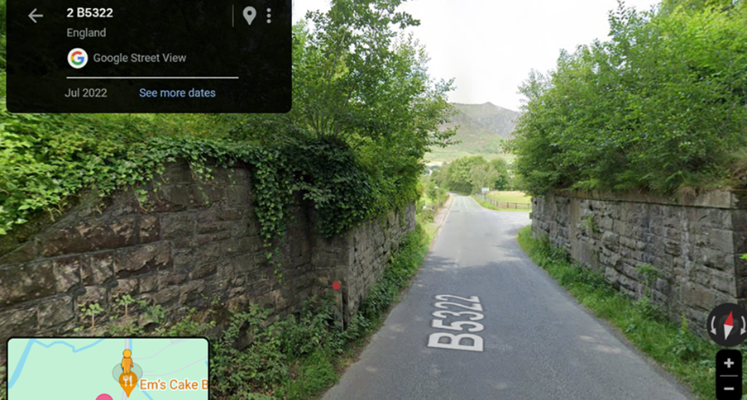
<point x="729" y="375"/>
<point x="250" y="13"/>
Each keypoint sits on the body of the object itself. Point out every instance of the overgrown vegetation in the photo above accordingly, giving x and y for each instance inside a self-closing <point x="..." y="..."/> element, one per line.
<point x="297" y="357"/>
<point x="660" y="107"/>
<point x="432" y="198"/>
<point x="678" y="350"/>
<point x="253" y="358"/>
<point x="362" y="94"/>
<point x="354" y="105"/>
<point x="328" y="173"/>
<point x="3" y="47"/>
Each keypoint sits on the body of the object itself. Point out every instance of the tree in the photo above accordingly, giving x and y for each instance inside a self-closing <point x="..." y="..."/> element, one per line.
<point x="480" y="176"/>
<point x="359" y="79"/>
<point x="492" y="175"/>
<point x="471" y="174"/>
<point x="459" y="174"/>
<point x="439" y="177"/>
<point x="671" y="6"/>
<point x="500" y="178"/>
<point x="659" y="107"/>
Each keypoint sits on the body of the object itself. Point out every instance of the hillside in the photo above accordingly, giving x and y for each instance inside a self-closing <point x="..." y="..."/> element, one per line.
<point x="482" y="128"/>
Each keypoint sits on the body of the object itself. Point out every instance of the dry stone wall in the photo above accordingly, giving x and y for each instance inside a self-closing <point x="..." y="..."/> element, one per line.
<point x="695" y="244"/>
<point x="193" y="244"/>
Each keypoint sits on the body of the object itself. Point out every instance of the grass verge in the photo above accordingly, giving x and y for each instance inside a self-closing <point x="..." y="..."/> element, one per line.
<point x="295" y="358"/>
<point x="318" y="352"/>
<point x="310" y="348"/>
<point x="427" y="216"/>
<point x="684" y="354"/>
<point x="313" y="375"/>
<point x="489" y="206"/>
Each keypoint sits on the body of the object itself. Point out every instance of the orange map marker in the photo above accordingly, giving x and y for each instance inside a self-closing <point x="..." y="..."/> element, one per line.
<point x="128" y="380"/>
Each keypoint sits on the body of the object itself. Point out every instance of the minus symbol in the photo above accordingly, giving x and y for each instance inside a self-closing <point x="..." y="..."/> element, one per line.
<point x="729" y="376"/>
<point x="728" y="388"/>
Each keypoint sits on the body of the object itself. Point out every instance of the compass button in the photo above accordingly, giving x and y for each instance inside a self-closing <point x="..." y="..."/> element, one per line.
<point x="727" y="325"/>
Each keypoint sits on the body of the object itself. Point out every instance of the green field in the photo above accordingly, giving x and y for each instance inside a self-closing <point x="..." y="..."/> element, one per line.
<point x="490" y="206"/>
<point x="510" y="197"/>
<point x="505" y="197"/>
<point x="488" y="147"/>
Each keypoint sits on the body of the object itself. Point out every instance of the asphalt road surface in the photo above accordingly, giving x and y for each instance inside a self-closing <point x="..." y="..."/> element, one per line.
<point x="537" y="342"/>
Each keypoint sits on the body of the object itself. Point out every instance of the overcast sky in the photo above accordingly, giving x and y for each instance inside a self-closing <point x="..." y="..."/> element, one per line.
<point x="490" y="46"/>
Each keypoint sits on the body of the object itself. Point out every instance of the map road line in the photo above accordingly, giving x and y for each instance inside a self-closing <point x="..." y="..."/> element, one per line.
<point x="27" y="350"/>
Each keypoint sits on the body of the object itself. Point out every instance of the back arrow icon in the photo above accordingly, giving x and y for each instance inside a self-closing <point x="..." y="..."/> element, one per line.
<point x="32" y="15"/>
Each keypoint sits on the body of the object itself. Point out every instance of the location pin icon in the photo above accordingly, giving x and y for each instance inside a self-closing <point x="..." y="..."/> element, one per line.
<point x="128" y="382"/>
<point x="250" y="13"/>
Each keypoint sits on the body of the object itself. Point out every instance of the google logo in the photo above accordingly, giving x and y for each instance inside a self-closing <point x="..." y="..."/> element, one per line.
<point x="77" y="58"/>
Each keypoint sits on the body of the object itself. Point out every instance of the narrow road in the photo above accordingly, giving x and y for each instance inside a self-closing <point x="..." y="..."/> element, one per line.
<point x="537" y="342"/>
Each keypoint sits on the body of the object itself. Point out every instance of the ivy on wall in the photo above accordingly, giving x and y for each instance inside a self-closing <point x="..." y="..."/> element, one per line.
<point x="46" y="163"/>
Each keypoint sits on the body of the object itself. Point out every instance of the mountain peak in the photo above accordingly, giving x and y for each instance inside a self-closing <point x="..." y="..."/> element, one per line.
<point x="487" y="105"/>
<point x="482" y="130"/>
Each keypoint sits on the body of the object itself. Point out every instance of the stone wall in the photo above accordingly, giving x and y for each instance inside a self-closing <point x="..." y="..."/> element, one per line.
<point x="696" y="243"/>
<point x="188" y="244"/>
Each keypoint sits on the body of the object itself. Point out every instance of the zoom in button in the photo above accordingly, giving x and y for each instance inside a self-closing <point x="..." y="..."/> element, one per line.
<point x="729" y="375"/>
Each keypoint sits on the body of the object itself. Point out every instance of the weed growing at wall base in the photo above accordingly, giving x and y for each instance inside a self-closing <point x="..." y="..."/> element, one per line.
<point x="686" y="355"/>
<point x="294" y="358"/>
<point x="309" y="347"/>
<point x="397" y="275"/>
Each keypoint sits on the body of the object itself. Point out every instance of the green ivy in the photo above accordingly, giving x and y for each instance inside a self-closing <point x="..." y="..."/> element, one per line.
<point x="49" y="159"/>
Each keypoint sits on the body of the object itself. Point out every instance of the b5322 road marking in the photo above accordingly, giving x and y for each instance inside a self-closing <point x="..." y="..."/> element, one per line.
<point x="463" y="341"/>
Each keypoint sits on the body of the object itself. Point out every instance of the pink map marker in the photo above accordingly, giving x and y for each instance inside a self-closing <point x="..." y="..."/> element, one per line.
<point x="104" y="397"/>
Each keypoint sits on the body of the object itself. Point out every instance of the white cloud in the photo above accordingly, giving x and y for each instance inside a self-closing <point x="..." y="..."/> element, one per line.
<point x="490" y="46"/>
